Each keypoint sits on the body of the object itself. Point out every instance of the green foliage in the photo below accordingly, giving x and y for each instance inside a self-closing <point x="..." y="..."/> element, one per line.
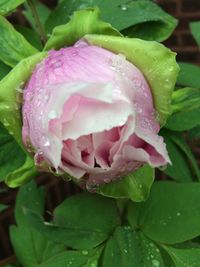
<point x="135" y="186"/>
<point x="186" y="110"/>
<point x="30" y="246"/>
<point x="87" y="233"/>
<point x="90" y="230"/>
<point x="142" y="19"/>
<point x="4" y="69"/>
<point x="185" y="99"/>
<point x="8" y="6"/>
<point x="13" y="46"/>
<point x="171" y="214"/>
<point x="184" y="120"/>
<point x="128" y="248"/>
<point x="42" y="11"/>
<point x="10" y="151"/>
<point x="30" y="35"/>
<point x="184" y="167"/>
<point x="184" y="257"/>
<point x="143" y="236"/>
<point x="195" y="29"/>
<point x="189" y="75"/>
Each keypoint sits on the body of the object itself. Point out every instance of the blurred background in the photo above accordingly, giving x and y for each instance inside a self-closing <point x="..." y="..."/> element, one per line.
<point x="181" y="42"/>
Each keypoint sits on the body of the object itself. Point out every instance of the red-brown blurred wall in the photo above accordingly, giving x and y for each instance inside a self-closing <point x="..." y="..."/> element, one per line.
<point x="181" y="41"/>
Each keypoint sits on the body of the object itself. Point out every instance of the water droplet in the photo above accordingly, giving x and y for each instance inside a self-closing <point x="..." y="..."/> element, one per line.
<point x="124" y="7"/>
<point x="38" y="158"/>
<point x="112" y="67"/>
<point x="85" y="252"/>
<point x="45" y="141"/>
<point x="52" y="114"/>
<point x="122" y="122"/>
<point x="155" y="263"/>
<point x="94" y="264"/>
<point x="91" y="187"/>
<point x="178" y="214"/>
<point x="125" y="251"/>
<point x="19" y="89"/>
<point x="106" y="180"/>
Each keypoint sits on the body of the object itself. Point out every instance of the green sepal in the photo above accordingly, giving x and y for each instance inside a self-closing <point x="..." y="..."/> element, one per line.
<point x="156" y="62"/>
<point x="10" y="114"/>
<point x="11" y="97"/>
<point x="83" y="22"/>
<point x="135" y="186"/>
<point x="23" y="174"/>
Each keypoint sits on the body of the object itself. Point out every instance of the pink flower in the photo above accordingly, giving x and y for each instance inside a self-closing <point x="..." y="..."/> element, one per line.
<point x="89" y="112"/>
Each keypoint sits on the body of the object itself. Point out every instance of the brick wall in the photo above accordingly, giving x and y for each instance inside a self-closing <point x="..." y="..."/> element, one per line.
<point x="181" y="41"/>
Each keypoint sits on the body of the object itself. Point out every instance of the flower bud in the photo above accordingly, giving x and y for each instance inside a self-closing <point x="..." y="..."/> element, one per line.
<point x="89" y="112"/>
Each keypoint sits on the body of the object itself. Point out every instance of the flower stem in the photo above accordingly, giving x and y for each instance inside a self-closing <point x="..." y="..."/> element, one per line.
<point x="38" y="23"/>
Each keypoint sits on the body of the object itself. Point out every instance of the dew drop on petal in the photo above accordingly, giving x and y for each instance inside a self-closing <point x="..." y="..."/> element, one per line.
<point x="52" y="114"/>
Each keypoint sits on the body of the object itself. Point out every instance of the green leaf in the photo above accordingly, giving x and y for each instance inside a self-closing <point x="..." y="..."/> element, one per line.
<point x="8" y="6"/>
<point x="184" y="120"/>
<point x="30" y="246"/>
<point x="166" y="258"/>
<point x="184" y="167"/>
<point x="155" y="61"/>
<point x="99" y="220"/>
<point x="179" y="170"/>
<point x="74" y="259"/>
<point x="10" y="94"/>
<point x="138" y="17"/>
<point x="180" y="141"/>
<point x="82" y="22"/>
<point x="184" y="257"/>
<point x="30" y="36"/>
<point x="195" y="29"/>
<point x="128" y="248"/>
<point x="189" y="75"/>
<point x="13" y="46"/>
<point x="29" y="197"/>
<point x="171" y="214"/>
<point x="4" y="70"/>
<point x="3" y="207"/>
<point x="42" y="10"/>
<point x="135" y="186"/>
<point x="185" y="99"/>
<point x="11" y="155"/>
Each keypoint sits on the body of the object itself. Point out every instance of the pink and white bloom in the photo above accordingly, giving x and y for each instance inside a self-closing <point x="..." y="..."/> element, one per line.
<point x="89" y="112"/>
